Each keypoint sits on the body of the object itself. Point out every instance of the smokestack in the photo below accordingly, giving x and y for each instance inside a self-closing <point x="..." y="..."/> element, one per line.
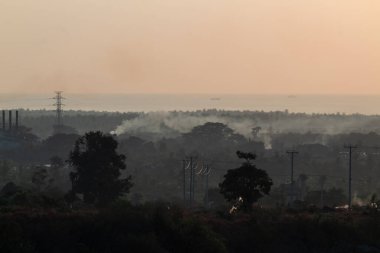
<point x="17" y="119"/>
<point x="4" y="120"/>
<point x="10" y="120"/>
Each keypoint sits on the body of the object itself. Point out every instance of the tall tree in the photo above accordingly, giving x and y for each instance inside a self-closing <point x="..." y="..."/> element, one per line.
<point x="247" y="182"/>
<point x="322" y="180"/>
<point x="212" y="133"/>
<point x="40" y="178"/>
<point x="97" y="168"/>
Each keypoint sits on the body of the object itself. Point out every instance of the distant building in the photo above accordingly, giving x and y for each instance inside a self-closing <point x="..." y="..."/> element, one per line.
<point x="9" y="141"/>
<point x="12" y="135"/>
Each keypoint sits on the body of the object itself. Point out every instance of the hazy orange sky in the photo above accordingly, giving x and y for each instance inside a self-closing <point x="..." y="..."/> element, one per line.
<point x="190" y="46"/>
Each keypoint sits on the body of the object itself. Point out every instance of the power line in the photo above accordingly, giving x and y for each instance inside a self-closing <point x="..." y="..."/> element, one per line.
<point x="291" y="153"/>
<point x="184" y="180"/>
<point x="191" y="164"/>
<point x="207" y="173"/>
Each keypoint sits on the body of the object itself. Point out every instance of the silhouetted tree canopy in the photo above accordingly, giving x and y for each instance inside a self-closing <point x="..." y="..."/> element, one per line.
<point x="246" y="182"/>
<point x="97" y="168"/>
<point x="212" y="132"/>
<point x="153" y="152"/>
<point x="40" y="178"/>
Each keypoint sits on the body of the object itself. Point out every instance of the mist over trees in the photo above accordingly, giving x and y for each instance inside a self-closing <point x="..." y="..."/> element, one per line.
<point x="121" y="182"/>
<point x="156" y="143"/>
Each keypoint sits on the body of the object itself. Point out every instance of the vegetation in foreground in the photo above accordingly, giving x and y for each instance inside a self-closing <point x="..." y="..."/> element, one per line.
<point x="96" y="217"/>
<point x="162" y="227"/>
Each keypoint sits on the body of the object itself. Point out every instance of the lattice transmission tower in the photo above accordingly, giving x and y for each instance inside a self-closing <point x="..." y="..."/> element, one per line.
<point x="59" y="108"/>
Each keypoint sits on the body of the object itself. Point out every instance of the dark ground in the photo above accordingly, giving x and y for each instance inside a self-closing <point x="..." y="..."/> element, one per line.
<point x="164" y="228"/>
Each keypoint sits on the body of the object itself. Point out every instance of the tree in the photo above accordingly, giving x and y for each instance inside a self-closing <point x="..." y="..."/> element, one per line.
<point x="97" y="168"/>
<point x="212" y="133"/>
<point x="247" y="182"/>
<point x="40" y="178"/>
<point x="255" y="133"/>
<point x="56" y="162"/>
<point x="5" y="169"/>
<point x="58" y="145"/>
<point x="322" y="180"/>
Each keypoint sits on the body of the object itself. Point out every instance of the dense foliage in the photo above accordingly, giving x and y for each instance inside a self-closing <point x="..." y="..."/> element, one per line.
<point x="97" y="168"/>
<point x="34" y="177"/>
<point x="166" y="228"/>
<point x="245" y="184"/>
<point x="154" y="158"/>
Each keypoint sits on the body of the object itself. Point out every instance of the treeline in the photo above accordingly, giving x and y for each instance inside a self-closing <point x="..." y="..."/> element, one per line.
<point x="155" y="161"/>
<point x="92" y="214"/>
<point x="41" y="121"/>
<point x="105" y="193"/>
<point x="156" y="166"/>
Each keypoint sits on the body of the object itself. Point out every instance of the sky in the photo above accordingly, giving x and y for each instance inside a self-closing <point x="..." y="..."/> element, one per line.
<point x="190" y="46"/>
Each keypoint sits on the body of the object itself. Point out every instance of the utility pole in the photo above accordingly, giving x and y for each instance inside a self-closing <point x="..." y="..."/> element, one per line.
<point x="189" y="164"/>
<point x="371" y="175"/>
<point x="192" y="178"/>
<point x="207" y="173"/>
<point x="350" y="148"/>
<point x="184" y="181"/>
<point x="3" y="120"/>
<point x="191" y="183"/>
<point x="322" y="181"/>
<point x="10" y="120"/>
<point x="59" y="105"/>
<point x="291" y="153"/>
<point x="17" y="120"/>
